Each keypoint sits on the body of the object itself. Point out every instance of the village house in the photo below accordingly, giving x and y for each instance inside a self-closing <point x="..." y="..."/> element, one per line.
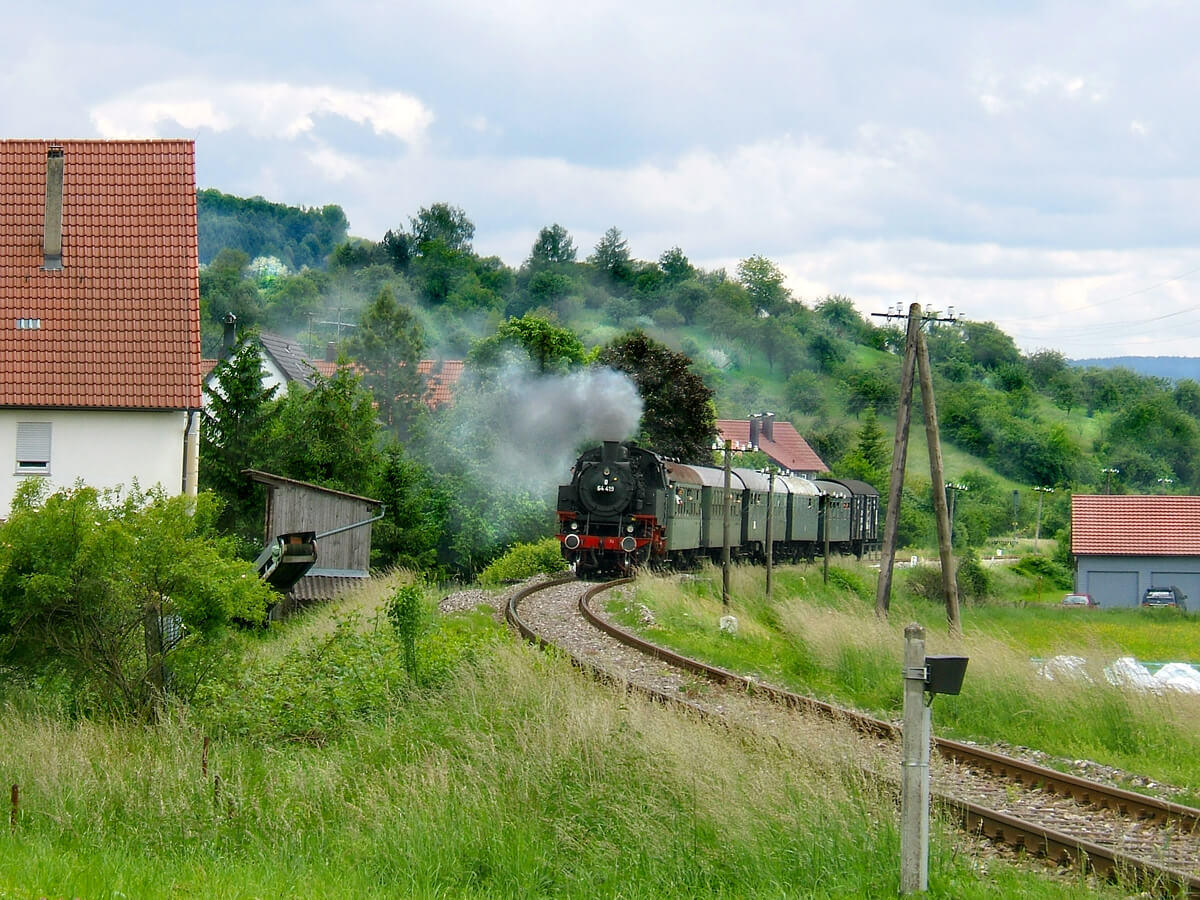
<point x="99" y="314"/>
<point x="286" y="362"/>
<point x="780" y="441"/>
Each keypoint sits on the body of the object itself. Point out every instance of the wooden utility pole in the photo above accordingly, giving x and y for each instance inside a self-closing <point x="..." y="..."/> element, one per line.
<point x="936" y="475"/>
<point x="916" y="358"/>
<point x="883" y="589"/>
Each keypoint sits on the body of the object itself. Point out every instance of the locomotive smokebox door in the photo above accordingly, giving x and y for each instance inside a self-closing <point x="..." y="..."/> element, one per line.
<point x="944" y="674"/>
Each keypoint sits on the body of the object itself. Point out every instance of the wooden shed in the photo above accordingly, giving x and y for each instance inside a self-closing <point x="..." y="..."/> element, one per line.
<point x="342" y="523"/>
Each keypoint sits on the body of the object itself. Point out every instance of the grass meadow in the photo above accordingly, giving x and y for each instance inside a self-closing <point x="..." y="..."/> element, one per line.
<point x="494" y="770"/>
<point x="824" y="640"/>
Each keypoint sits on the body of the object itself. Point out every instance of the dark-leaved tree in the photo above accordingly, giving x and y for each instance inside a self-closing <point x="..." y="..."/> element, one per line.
<point x="679" y="419"/>
<point x="327" y="435"/>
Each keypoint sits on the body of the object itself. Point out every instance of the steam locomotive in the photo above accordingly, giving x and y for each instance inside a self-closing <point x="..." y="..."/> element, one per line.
<point x="628" y="507"/>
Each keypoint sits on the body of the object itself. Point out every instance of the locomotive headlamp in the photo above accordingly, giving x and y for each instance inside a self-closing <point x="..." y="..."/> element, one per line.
<point x="629" y="529"/>
<point x="574" y="526"/>
<point x="607" y="470"/>
<point x="628" y="544"/>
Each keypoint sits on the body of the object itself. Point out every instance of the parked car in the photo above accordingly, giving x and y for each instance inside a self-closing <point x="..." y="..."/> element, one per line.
<point x="1165" y="596"/>
<point x="1079" y="600"/>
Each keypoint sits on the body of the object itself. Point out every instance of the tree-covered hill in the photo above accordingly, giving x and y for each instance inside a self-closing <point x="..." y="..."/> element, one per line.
<point x="298" y="237"/>
<point x="1010" y="421"/>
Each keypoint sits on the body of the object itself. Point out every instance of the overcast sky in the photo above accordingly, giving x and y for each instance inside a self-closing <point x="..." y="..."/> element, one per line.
<point x="1034" y="165"/>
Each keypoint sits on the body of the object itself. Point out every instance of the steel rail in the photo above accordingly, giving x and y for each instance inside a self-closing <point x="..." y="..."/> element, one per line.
<point x="991" y="823"/>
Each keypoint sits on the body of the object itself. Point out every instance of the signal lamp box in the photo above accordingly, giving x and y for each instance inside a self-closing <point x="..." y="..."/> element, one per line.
<point x="944" y="674"/>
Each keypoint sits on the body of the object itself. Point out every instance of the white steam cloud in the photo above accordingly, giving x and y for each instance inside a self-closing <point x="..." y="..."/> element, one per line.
<point x="529" y="427"/>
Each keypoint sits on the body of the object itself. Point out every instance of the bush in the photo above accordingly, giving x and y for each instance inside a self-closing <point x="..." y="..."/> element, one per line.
<point x="524" y="561"/>
<point x="972" y="578"/>
<point x="406" y="612"/>
<point x="851" y="582"/>
<point x="924" y="583"/>
<point x="1049" y="570"/>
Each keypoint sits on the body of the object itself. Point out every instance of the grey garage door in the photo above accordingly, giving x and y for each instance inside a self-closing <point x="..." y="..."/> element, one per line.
<point x="1113" y="588"/>
<point x="1188" y="582"/>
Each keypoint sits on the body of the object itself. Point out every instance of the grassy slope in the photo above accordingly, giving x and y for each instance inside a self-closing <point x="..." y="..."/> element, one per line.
<point x="824" y="640"/>
<point x="517" y="777"/>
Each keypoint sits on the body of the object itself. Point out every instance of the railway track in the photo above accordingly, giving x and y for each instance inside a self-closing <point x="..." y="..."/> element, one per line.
<point x="1064" y="818"/>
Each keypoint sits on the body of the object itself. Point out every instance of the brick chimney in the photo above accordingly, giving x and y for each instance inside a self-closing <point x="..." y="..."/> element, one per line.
<point x="52" y="240"/>
<point x="768" y="426"/>
<point x="755" y="422"/>
<point x="331" y="351"/>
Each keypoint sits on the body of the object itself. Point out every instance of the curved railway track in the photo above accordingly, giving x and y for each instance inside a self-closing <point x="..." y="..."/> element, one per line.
<point x="1066" y="819"/>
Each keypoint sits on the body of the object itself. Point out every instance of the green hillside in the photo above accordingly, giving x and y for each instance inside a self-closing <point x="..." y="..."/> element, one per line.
<point x="1009" y="421"/>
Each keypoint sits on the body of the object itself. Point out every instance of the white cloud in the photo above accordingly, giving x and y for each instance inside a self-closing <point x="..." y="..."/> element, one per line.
<point x="335" y="166"/>
<point x="263" y="109"/>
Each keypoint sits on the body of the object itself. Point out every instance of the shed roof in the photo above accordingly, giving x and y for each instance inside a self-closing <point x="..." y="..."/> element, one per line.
<point x="118" y="326"/>
<point x="278" y="480"/>
<point x="1135" y="525"/>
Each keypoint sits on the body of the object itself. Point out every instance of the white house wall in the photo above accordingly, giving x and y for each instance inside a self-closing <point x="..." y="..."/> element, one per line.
<point x="103" y="449"/>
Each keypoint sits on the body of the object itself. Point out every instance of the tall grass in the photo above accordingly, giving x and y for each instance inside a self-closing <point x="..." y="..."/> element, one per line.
<point x="513" y="776"/>
<point x="825" y="640"/>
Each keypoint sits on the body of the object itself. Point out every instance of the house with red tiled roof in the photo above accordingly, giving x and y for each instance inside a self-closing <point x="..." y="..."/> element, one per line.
<point x="99" y="314"/>
<point x="1124" y="544"/>
<point x="778" y="440"/>
<point x="285" y="362"/>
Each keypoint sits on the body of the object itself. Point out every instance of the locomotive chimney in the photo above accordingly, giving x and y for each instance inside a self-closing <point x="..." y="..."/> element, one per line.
<point x="52" y="239"/>
<point x="613" y="452"/>
<point x="755" y="422"/>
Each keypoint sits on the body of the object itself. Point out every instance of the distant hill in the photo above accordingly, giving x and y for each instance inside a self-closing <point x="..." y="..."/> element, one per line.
<point x="1173" y="367"/>
<point x="296" y="235"/>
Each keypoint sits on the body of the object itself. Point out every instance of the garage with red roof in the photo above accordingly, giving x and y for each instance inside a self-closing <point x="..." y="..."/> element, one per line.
<point x="1125" y="544"/>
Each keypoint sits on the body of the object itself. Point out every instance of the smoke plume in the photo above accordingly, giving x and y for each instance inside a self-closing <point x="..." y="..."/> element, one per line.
<point x="529" y="427"/>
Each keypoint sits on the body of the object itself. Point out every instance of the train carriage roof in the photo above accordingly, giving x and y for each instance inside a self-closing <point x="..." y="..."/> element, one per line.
<point x="703" y="475"/>
<point x="754" y="480"/>
<point x="856" y="487"/>
<point x="833" y="488"/>
<point x="797" y="485"/>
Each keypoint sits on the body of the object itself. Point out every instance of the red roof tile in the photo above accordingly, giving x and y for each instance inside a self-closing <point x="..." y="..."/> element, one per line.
<point x="1135" y="525"/>
<point x="119" y="324"/>
<point x="441" y="377"/>
<point x="786" y="447"/>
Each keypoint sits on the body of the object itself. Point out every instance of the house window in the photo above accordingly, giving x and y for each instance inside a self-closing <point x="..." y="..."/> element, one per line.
<point x="28" y="324"/>
<point x="33" y="448"/>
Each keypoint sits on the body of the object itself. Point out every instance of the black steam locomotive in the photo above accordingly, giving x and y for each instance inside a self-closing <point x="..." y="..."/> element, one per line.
<point x="628" y="507"/>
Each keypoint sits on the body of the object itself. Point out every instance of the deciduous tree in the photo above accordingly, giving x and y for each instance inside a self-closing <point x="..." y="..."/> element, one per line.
<point x="679" y="419"/>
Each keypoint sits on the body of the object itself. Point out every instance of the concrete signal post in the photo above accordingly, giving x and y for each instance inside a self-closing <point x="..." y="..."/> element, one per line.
<point x="923" y="675"/>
